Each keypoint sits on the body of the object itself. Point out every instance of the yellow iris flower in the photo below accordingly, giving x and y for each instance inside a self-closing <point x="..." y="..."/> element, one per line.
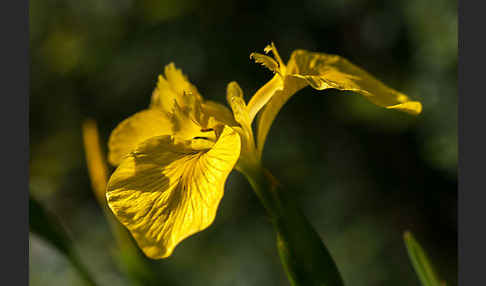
<point x="174" y="157"/>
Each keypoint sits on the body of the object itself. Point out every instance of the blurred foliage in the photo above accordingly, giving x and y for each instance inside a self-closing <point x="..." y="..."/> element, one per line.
<point x="46" y="225"/>
<point x="420" y="262"/>
<point x="361" y="174"/>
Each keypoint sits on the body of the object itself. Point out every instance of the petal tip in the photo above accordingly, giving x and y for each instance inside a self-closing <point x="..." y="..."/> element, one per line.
<point x="410" y="107"/>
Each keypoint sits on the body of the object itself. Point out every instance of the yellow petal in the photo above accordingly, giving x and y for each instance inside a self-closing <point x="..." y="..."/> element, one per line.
<point x="220" y="112"/>
<point x="180" y="100"/>
<point x="234" y="97"/>
<point x="412" y="107"/>
<point x="263" y="95"/>
<point x="322" y="71"/>
<point x="186" y="122"/>
<point x="173" y="88"/>
<point x="276" y="65"/>
<point x="134" y="130"/>
<point x="95" y="160"/>
<point x="164" y="192"/>
<point x="278" y="98"/>
<point x="265" y="61"/>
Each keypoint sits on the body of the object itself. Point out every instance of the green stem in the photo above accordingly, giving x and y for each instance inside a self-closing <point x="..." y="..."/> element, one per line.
<point x="304" y="256"/>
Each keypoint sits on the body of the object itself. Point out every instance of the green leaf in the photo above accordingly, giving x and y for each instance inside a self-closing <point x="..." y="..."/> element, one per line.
<point x="303" y="254"/>
<point x="420" y="262"/>
<point x="46" y="225"/>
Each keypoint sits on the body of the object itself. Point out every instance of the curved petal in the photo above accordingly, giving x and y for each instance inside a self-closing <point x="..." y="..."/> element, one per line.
<point x="265" y="61"/>
<point x="220" y="112"/>
<point x="134" y="130"/>
<point x="249" y="156"/>
<point x="164" y="191"/>
<point x="172" y="89"/>
<point x="322" y="71"/>
<point x="264" y="94"/>
<point x="268" y="113"/>
<point x="95" y="160"/>
<point x="234" y="97"/>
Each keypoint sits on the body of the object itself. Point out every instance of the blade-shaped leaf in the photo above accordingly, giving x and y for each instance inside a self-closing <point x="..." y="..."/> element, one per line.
<point x="304" y="256"/>
<point x="45" y="224"/>
<point x="420" y="262"/>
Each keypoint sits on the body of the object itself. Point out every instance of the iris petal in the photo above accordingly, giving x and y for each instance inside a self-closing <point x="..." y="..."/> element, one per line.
<point x="323" y="71"/>
<point x="173" y="88"/>
<point x="164" y="191"/>
<point x="220" y="112"/>
<point x="134" y="130"/>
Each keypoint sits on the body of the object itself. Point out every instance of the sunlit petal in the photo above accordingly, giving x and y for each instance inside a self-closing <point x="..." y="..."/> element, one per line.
<point x="267" y="115"/>
<point x="173" y="88"/>
<point x="218" y="111"/>
<point x="134" y="130"/>
<point x="234" y="97"/>
<point x="95" y="160"/>
<point x="322" y="71"/>
<point x="164" y="191"/>
<point x="265" y="61"/>
<point x="264" y="94"/>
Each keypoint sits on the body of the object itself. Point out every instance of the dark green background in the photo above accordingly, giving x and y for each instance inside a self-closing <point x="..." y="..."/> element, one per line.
<point x="362" y="174"/>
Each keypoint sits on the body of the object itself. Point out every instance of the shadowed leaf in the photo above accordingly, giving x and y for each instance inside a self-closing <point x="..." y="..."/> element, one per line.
<point x="45" y="224"/>
<point x="420" y="262"/>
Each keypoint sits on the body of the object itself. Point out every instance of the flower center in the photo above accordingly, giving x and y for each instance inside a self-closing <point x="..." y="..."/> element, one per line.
<point x="204" y="139"/>
<point x="206" y="134"/>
